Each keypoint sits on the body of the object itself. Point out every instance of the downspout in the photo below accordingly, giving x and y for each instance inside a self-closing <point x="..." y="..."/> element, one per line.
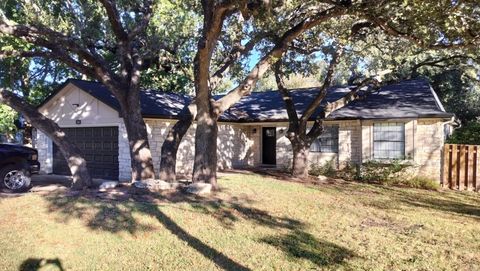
<point x="454" y="122"/>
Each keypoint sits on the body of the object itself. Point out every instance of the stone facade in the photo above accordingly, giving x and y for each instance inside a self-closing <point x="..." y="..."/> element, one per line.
<point x="234" y="146"/>
<point x="424" y="139"/>
<point x="349" y="147"/>
<point x="124" y="162"/>
<point x="240" y="145"/>
<point x="349" y="142"/>
<point x="428" y="147"/>
<point x="45" y="152"/>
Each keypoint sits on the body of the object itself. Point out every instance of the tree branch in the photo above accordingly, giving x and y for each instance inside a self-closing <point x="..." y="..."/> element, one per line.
<point x="392" y="31"/>
<point x="214" y="17"/>
<point x="73" y="155"/>
<point x="435" y="63"/>
<point x="58" y="56"/>
<point x="143" y="24"/>
<point x="61" y="47"/>
<point x="246" y="86"/>
<point x="27" y="54"/>
<point x="287" y="98"/>
<point x="303" y="51"/>
<point x="44" y="37"/>
<point x="234" y="55"/>
<point x="115" y="21"/>
<point x="312" y="107"/>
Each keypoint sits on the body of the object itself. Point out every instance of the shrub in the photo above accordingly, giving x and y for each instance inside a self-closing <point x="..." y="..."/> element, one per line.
<point x="326" y="169"/>
<point x="394" y="172"/>
<point x="422" y="182"/>
<point x="350" y="172"/>
<point x="382" y="172"/>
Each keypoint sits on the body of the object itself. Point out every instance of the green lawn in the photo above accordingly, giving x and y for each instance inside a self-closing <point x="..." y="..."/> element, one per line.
<point x="254" y="223"/>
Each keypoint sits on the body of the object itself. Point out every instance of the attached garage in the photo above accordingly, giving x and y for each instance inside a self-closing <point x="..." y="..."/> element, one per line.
<point x="100" y="146"/>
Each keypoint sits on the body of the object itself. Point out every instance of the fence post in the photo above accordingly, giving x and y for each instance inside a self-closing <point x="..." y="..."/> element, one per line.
<point x="461" y="171"/>
<point x="476" y="169"/>
<point x="470" y="166"/>
<point x="454" y="166"/>
<point x="446" y="166"/>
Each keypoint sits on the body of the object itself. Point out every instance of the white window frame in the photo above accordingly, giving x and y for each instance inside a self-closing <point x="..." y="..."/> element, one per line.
<point x="335" y="138"/>
<point x="392" y="141"/>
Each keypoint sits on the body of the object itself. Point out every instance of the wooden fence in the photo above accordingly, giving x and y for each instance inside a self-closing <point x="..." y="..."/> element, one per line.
<point x="461" y="167"/>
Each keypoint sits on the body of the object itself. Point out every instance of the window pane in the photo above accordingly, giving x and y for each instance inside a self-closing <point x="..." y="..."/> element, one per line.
<point x="315" y="147"/>
<point x="389" y="140"/>
<point x="327" y="141"/>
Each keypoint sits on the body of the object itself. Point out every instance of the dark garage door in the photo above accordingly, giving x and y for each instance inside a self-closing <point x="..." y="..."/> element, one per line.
<point x="100" y="146"/>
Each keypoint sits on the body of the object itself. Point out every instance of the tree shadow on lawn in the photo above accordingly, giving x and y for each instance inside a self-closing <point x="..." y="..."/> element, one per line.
<point x="456" y="202"/>
<point x="460" y="203"/>
<point x="102" y="215"/>
<point x="117" y="216"/>
<point x="302" y="245"/>
<point x="229" y="212"/>
<point x="32" y="264"/>
<point x="443" y="205"/>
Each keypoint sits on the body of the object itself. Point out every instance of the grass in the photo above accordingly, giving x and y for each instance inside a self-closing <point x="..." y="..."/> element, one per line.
<point x="254" y="223"/>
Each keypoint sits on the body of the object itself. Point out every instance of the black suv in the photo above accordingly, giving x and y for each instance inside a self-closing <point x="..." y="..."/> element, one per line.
<point x="17" y="163"/>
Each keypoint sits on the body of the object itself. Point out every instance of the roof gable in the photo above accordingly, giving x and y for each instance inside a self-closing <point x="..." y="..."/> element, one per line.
<point x="72" y="103"/>
<point x="158" y="104"/>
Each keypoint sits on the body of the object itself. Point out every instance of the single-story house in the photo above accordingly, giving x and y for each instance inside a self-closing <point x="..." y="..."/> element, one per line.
<point x="400" y="121"/>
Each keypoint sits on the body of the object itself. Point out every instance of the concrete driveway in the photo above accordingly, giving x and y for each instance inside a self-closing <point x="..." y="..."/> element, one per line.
<point x="48" y="179"/>
<point x="47" y="183"/>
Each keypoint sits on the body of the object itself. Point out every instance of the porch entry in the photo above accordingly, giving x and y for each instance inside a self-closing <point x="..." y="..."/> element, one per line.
<point x="269" y="146"/>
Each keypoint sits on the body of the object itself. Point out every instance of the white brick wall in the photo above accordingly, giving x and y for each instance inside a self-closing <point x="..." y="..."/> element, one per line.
<point x="429" y="141"/>
<point x="239" y="146"/>
<point x="424" y="140"/>
<point x="349" y="147"/>
<point x="349" y="142"/>
<point x="124" y="162"/>
<point x="233" y="149"/>
<point x="45" y="152"/>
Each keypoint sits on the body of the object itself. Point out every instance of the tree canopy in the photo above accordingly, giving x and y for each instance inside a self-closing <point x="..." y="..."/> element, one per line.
<point x="212" y="46"/>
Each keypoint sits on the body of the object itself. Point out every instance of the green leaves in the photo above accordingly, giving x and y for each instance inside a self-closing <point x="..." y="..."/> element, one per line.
<point x="467" y="134"/>
<point x="7" y="120"/>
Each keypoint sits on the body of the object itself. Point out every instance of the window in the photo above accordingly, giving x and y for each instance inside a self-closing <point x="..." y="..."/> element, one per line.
<point x="270" y="132"/>
<point x="389" y="140"/>
<point x="327" y="141"/>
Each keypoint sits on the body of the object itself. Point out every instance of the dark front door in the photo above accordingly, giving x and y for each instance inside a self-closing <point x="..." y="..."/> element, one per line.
<point x="269" y="146"/>
<point x="100" y="147"/>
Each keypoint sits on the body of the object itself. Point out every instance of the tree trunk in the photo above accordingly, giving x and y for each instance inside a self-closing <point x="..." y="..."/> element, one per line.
<point x="205" y="163"/>
<point x="170" y="146"/>
<point x="141" y="156"/>
<point x="301" y="150"/>
<point x="75" y="159"/>
<point x="71" y="153"/>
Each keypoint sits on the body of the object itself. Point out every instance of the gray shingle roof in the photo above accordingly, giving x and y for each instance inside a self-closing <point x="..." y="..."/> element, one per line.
<point x="269" y="105"/>
<point x="406" y="99"/>
<point x="156" y="104"/>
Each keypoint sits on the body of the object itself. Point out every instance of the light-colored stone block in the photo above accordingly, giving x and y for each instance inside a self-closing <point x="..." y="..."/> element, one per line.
<point x="199" y="189"/>
<point x="107" y="185"/>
